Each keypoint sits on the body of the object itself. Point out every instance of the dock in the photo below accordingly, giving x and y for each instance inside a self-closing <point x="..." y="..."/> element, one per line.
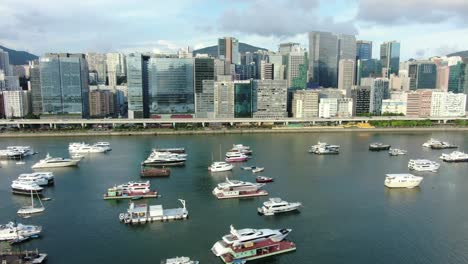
<point x="123" y="197"/>
<point x="143" y="213"/>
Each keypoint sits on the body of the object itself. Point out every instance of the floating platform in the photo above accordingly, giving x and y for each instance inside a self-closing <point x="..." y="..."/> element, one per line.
<point x="235" y="194"/>
<point x="143" y="213"/>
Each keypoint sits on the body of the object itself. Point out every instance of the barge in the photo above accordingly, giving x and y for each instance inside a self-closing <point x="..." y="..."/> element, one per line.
<point x="155" y="172"/>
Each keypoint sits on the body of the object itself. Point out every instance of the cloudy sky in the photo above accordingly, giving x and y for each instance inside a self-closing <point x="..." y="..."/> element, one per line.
<point x="425" y="28"/>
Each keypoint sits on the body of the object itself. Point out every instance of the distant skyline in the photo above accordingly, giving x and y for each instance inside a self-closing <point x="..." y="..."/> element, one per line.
<point x="424" y="28"/>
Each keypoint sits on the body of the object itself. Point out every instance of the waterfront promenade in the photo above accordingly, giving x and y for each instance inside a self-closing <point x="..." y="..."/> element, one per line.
<point x="206" y="121"/>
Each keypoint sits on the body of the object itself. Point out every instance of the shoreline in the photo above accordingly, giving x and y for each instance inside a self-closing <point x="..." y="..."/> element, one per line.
<point x="229" y="131"/>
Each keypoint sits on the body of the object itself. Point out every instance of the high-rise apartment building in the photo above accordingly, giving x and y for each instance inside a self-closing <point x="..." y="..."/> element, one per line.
<point x="266" y="70"/>
<point x="102" y="103"/>
<point x="418" y="103"/>
<point x="64" y="84"/>
<point x="390" y="57"/>
<point x="223" y="99"/>
<point x="228" y="49"/>
<point x="448" y="104"/>
<point x="16" y="103"/>
<point x="361" y="100"/>
<point x="271" y="98"/>
<point x="422" y="74"/>
<point x="296" y="69"/>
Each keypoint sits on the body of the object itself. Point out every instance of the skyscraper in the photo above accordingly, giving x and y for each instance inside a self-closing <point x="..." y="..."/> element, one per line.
<point x="97" y="64"/>
<point x="35" y="82"/>
<point x="171" y="86"/>
<point x="323" y="59"/>
<point x="137" y="82"/>
<point x="64" y="84"/>
<point x="5" y="63"/>
<point x="228" y="49"/>
<point x="423" y="75"/>
<point x="390" y="57"/>
<point x="271" y="98"/>
<point x="379" y="90"/>
<point x="458" y="77"/>
<point x="363" y="50"/>
<point x="325" y="51"/>
<point x="115" y="66"/>
<point x="346" y="74"/>
<point x="204" y="70"/>
<point x="368" y="68"/>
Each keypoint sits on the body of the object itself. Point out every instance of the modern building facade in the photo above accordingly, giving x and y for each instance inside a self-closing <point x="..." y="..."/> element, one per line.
<point x="390" y="57"/>
<point x="271" y="98"/>
<point x="97" y="64"/>
<point x="204" y="70"/>
<point x="422" y="74"/>
<point x="5" y="63"/>
<point x="228" y="49"/>
<point x="171" y="86"/>
<point x="204" y="107"/>
<point x="368" y="68"/>
<point x="102" y="103"/>
<point x="64" y="85"/>
<point x="363" y="50"/>
<point x="244" y="99"/>
<point x="458" y="78"/>
<point x="223" y="99"/>
<point x="35" y="85"/>
<point x="323" y="59"/>
<point x="379" y="90"/>
<point x="137" y="83"/>
<point x="346" y="74"/>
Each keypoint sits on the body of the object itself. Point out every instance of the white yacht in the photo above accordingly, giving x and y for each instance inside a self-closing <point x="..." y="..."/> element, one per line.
<point x="235" y="157"/>
<point x="157" y="158"/>
<point x="24" y="150"/>
<point x="179" y="260"/>
<point x="50" y="162"/>
<point x="32" y="178"/>
<point x="404" y="180"/>
<point x="10" y="154"/>
<point x="85" y="148"/>
<point x="238" y="189"/>
<point x="276" y="205"/>
<point x="242" y="149"/>
<point x="241" y="236"/>
<point x="105" y="145"/>
<point x="396" y="152"/>
<point x="219" y="166"/>
<point x="12" y="231"/>
<point x="423" y="165"/>
<point x="20" y="187"/>
<point x="456" y="156"/>
<point x="324" y="148"/>
<point x="431" y="142"/>
<point x="31" y="209"/>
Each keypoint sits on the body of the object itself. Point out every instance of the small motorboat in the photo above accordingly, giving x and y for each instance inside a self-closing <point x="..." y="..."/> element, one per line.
<point x="46" y="199"/>
<point x="20" y="163"/>
<point x="263" y="179"/>
<point x="258" y="169"/>
<point x="248" y="167"/>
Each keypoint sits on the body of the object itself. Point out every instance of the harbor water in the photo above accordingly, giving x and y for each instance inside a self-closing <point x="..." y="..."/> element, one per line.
<point x="349" y="216"/>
